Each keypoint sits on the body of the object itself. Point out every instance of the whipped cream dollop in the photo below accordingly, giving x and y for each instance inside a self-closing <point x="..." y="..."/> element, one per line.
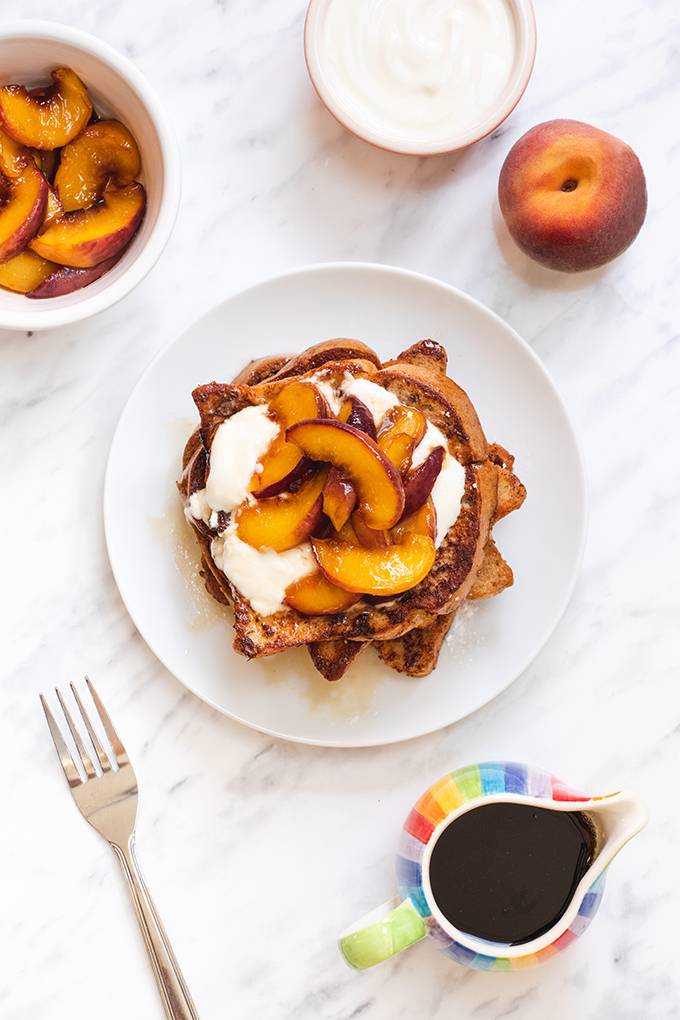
<point x="376" y="398"/>
<point x="237" y="448"/>
<point x="261" y="575"/>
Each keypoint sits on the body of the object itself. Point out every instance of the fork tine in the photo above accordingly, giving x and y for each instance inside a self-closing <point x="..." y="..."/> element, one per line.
<point x="101" y="754"/>
<point x="115" y="741"/>
<point x="90" y="770"/>
<point x="70" y="770"/>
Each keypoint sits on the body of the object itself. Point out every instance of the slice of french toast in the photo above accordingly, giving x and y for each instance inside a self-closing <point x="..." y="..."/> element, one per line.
<point x="466" y="562"/>
<point x="416" y="653"/>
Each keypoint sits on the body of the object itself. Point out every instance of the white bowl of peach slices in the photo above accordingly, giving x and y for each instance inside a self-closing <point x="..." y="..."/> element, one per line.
<point x="89" y="176"/>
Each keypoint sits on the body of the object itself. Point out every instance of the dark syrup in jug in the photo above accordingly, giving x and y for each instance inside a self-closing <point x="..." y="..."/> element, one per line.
<point x="507" y="872"/>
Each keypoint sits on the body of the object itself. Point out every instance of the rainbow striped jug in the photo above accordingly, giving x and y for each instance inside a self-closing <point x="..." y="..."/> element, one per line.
<point x="415" y="915"/>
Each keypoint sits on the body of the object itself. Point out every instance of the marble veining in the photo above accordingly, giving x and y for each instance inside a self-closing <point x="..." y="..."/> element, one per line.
<point x="270" y="182"/>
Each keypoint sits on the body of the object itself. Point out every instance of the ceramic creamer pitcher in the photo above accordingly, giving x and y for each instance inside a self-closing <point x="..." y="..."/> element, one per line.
<point x="414" y="915"/>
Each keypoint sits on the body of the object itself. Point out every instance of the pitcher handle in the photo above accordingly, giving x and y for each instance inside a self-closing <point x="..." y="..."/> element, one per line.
<point x="381" y="934"/>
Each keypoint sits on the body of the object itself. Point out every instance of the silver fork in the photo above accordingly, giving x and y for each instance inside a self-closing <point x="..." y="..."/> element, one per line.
<point x="107" y="799"/>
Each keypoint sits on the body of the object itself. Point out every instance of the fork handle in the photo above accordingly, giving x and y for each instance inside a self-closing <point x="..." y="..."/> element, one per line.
<point x="177" y="1001"/>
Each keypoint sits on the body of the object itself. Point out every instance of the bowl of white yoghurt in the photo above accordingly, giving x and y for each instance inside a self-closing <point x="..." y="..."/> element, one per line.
<point x="420" y="77"/>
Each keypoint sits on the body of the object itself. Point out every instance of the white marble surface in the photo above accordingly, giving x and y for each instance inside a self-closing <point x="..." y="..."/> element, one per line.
<point x="257" y="851"/>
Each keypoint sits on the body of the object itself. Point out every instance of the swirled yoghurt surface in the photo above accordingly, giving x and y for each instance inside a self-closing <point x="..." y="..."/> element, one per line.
<point x="420" y="70"/>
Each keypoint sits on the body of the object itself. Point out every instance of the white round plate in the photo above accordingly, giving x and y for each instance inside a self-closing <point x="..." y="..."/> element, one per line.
<point x="153" y="553"/>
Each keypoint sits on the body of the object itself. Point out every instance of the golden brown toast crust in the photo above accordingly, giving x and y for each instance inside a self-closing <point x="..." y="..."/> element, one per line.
<point x="427" y="353"/>
<point x="417" y="652"/>
<point x="411" y="629"/>
<point x="493" y="576"/>
<point x="314" y="357"/>
<point x="334" y="657"/>
<point x="259" y="369"/>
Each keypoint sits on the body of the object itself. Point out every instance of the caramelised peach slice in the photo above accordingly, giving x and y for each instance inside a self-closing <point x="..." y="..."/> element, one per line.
<point x="314" y="594"/>
<point x="86" y="237"/>
<point x="376" y="480"/>
<point x="385" y="571"/>
<point x="284" y="464"/>
<point x="53" y="209"/>
<point x="297" y="402"/>
<point x="346" y="533"/>
<point x="103" y="153"/>
<point x="46" y="118"/>
<point x="419" y="483"/>
<point x="422" y="522"/>
<point x="64" y="280"/>
<point x="13" y="155"/>
<point x="401" y="431"/>
<point x="283" y="470"/>
<point x="355" y="413"/>
<point x="339" y="498"/>
<point x="25" y="272"/>
<point x="46" y="160"/>
<point x="369" y="537"/>
<point x="399" y="447"/>
<point x="282" y="522"/>
<point x="279" y="468"/>
<point x="22" y="206"/>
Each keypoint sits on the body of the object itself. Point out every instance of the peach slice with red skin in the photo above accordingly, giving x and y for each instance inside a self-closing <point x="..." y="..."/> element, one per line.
<point x="422" y="522"/>
<point x="298" y="401"/>
<point x="419" y="483"/>
<point x="314" y="594"/>
<point x="22" y="207"/>
<point x="282" y="522"/>
<point x="388" y="570"/>
<point x="86" y="237"/>
<point x="372" y="538"/>
<point x="339" y="498"/>
<point x="53" y="209"/>
<point x="346" y="534"/>
<point x="25" y="271"/>
<point x="103" y="153"/>
<point x="46" y="118"/>
<point x="47" y="161"/>
<point x="378" y="484"/>
<point x="399" y="447"/>
<point x="279" y="466"/>
<point x="355" y="413"/>
<point x="401" y="431"/>
<point x="284" y="464"/>
<point x="64" y="280"/>
<point x="282" y="471"/>
<point x="13" y="156"/>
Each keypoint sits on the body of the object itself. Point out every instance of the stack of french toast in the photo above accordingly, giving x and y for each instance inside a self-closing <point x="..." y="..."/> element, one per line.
<point x="366" y="514"/>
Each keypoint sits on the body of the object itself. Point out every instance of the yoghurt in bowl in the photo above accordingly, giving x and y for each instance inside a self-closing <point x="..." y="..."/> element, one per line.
<point x="420" y="76"/>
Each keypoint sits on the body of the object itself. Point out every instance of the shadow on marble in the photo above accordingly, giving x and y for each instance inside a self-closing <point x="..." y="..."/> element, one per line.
<point x="379" y="167"/>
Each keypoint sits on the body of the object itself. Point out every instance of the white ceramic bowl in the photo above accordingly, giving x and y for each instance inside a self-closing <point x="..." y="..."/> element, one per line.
<point x="29" y="50"/>
<point x="525" y="53"/>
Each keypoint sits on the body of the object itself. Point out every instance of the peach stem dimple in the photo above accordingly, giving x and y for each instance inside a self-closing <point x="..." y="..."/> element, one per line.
<point x="569" y="185"/>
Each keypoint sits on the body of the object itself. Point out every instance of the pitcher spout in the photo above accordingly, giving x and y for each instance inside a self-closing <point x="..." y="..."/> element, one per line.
<point x="617" y="817"/>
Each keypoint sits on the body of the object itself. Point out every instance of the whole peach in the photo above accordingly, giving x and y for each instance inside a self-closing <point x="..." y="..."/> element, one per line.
<point x="574" y="197"/>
